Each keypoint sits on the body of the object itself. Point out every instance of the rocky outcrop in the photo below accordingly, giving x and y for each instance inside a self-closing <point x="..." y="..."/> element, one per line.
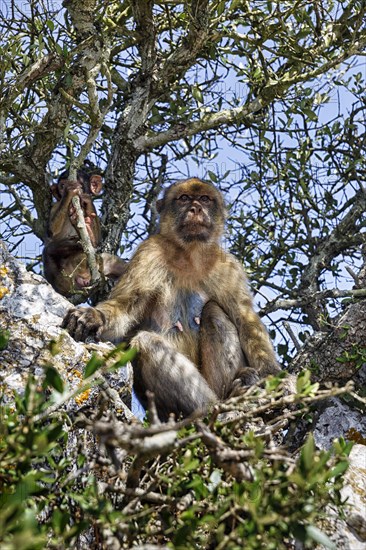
<point x="30" y="316"/>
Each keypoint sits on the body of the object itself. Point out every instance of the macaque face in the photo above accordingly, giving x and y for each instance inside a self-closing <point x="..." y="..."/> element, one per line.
<point x="96" y="184"/>
<point x="85" y="183"/>
<point x="82" y="278"/>
<point x="194" y="210"/>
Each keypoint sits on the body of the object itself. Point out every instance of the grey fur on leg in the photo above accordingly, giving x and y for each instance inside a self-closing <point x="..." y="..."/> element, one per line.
<point x="221" y="353"/>
<point x="177" y="385"/>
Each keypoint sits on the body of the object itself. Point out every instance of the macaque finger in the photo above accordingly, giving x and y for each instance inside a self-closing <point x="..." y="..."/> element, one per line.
<point x="70" y="320"/>
<point x="83" y="322"/>
<point x="89" y="219"/>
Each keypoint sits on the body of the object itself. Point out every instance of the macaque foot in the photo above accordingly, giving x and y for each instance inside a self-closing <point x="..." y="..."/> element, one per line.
<point x="83" y="322"/>
<point x="243" y="379"/>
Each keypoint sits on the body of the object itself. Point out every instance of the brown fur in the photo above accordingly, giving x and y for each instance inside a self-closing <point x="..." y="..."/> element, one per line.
<point x="184" y="303"/>
<point x="65" y="263"/>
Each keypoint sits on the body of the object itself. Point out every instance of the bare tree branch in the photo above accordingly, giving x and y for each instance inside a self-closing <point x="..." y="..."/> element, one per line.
<point x="210" y="121"/>
<point x="306" y="300"/>
<point x="328" y="249"/>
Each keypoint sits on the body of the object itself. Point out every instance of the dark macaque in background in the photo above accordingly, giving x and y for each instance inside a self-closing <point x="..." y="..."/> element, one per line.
<point x="65" y="262"/>
<point x="184" y="303"/>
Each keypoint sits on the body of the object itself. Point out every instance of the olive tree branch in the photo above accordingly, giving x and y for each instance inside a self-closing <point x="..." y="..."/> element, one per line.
<point x="97" y="119"/>
<point x="161" y="438"/>
<point x="26" y="213"/>
<point x="332" y="293"/>
<point x="209" y="121"/>
<point x="43" y="66"/>
<point x="337" y="241"/>
<point x="142" y="11"/>
<point x="86" y="243"/>
<point x="192" y="44"/>
<point x="276" y="87"/>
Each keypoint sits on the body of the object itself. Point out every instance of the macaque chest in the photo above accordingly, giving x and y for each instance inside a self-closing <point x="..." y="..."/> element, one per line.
<point x="186" y="311"/>
<point x="178" y="318"/>
<point x="185" y="321"/>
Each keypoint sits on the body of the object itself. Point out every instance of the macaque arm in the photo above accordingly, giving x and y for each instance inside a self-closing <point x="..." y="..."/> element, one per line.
<point x="114" y="318"/>
<point x="143" y="279"/>
<point x="236" y="300"/>
<point x="59" y="224"/>
<point x="59" y="218"/>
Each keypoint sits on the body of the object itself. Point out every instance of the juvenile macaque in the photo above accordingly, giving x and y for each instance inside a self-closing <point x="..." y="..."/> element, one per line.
<point x="184" y="303"/>
<point x="65" y="262"/>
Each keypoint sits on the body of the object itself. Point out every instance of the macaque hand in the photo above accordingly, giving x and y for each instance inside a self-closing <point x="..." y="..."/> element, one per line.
<point x="82" y="322"/>
<point x="71" y="187"/>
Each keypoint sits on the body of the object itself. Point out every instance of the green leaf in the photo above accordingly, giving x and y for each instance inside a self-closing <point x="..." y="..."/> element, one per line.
<point x="307" y="453"/>
<point x="55" y="347"/>
<point x="94" y="363"/>
<point x="54" y="379"/>
<point x="339" y="469"/>
<point x="60" y="520"/>
<point x="310" y="114"/>
<point x="221" y="7"/>
<point x="234" y="4"/>
<point x="55" y="433"/>
<point x="127" y="357"/>
<point x="4" y="339"/>
<point x="58" y="49"/>
<point x="302" y="381"/>
<point x="212" y="176"/>
<point x="197" y="94"/>
<point x="190" y="465"/>
<point x="318" y="536"/>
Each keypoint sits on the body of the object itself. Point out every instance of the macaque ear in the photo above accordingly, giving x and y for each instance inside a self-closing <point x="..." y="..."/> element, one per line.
<point x="56" y="192"/>
<point x="159" y="205"/>
<point x="96" y="184"/>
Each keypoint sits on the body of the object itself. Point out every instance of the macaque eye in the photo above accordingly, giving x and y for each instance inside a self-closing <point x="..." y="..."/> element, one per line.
<point x="184" y="198"/>
<point x="205" y="198"/>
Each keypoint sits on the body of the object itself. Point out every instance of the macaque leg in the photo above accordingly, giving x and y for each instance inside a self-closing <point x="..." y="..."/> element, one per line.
<point x="177" y="385"/>
<point x="222" y="359"/>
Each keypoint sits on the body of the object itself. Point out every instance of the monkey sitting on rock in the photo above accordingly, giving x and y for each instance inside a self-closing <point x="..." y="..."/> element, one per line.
<point x="184" y="303"/>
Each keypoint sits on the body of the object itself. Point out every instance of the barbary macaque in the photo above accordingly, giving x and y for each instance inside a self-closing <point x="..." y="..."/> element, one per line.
<point x="65" y="262"/>
<point x="184" y="303"/>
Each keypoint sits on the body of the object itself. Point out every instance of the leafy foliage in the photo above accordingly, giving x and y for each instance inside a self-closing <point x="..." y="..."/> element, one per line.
<point x="218" y="483"/>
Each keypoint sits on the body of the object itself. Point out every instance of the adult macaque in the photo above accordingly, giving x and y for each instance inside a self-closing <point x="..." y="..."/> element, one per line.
<point x="185" y="305"/>
<point x="65" y="262"/>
